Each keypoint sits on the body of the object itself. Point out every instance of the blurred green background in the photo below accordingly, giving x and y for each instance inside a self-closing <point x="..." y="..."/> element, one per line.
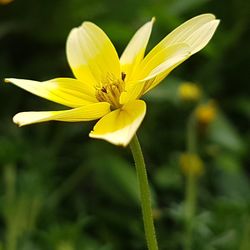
<point x="61" y="190"/>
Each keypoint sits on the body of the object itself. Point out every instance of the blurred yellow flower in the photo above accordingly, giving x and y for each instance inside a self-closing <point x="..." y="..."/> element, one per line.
<point x="5" y="1"/>
<point x="188" y="91"/>
<point x="108" y="87"/>
<point x="206" y="113"/>
<point x="64" y="245"/>
<point x="191" y="164"/>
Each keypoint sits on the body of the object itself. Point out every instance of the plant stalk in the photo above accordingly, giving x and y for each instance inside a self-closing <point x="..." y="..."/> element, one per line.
<point x="191" y="184"/>
<point x="144" y="194"/>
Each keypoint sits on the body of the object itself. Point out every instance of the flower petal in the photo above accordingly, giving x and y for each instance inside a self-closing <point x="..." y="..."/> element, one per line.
<point x="195" y="32"/>
<point x="91" y="55"/>
<point x="86" y="113"/>
<point x="67" y="91"/>
<point x="147" y="75"/>
<point x="151" y="71"/>
<point x="175" y="48"/>
<point x="119" y="126"/>
<point x="134" y="52"/>
<point x="132" y="92"/>
<point x="163" y="60"/>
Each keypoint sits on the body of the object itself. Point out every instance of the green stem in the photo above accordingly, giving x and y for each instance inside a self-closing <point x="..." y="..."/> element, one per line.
<point x="191" y="134"/>
<point x="144" y="194"/>
<point x="191" y="183"/>
<point x="245" y="242"/>
<point x="190" y="208"/>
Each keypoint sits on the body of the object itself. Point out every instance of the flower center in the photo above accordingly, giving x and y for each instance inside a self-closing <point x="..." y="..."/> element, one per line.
<point x="110" y="90"/>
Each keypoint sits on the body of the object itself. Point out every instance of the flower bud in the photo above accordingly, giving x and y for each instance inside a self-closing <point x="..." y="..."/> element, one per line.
<point x="188" y="91"/>
<point x="206" y="113"/>
<point x="5" y="1"/>
<point x="191" y="164"/>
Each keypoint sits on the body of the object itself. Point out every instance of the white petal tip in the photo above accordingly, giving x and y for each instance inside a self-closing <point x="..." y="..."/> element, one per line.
<point x="217" y="21"/>
<point x="17" y="121"/>
<point x="107" y="138"/>
<point x="7" y="80"/>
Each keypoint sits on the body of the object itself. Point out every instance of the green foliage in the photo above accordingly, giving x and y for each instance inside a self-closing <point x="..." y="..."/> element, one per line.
<point x="61" y="190"/>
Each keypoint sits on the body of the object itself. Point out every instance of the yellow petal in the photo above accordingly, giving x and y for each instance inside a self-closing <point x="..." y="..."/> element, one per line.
<point x="67" y="91"/>
<point x="175" y="48"/>
<point x="152" y="71"/>
<point x="133" y="92"/>
<point x="134" y="52"/>
<point x="91" y="55"/>
<point x="146" y="76"/>
<point x="195" y="32"/>
<point x="163" y="60"/>
<point x="200" y="38"/>
<point x="119" y="126"/>
<point x="86" y="113"/>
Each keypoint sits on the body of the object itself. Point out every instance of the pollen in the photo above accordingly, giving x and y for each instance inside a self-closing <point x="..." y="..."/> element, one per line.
<point x="110" y="90"/>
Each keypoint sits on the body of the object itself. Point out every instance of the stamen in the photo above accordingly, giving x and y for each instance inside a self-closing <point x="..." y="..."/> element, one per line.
<point x="123" y="76"/>
<point x="110" y="89"/>
<point x="103" y="90"/>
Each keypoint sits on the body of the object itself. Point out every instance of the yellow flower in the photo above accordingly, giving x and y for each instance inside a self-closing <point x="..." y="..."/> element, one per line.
<point x="191" y="164"/>
<point x="5" y="1"/>
<point x="189" y="91"/>
<point x="206" y="113"/>
<point x="108" y="87"/>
